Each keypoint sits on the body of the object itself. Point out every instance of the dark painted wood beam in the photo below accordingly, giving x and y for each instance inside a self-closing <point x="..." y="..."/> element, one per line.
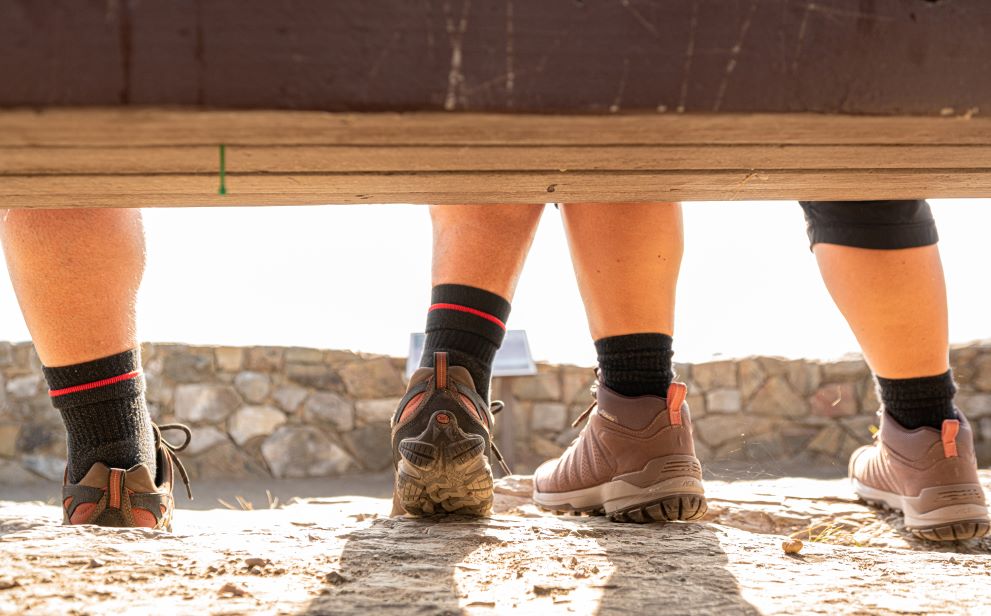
<point x="552" y="100"/>
<point x="890" y="57"/>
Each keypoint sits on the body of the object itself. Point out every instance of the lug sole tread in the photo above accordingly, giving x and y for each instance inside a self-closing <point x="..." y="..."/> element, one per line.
<point x="672" y="508"/>
<point x="952" y="531"/>
<point x="450" y="475"/>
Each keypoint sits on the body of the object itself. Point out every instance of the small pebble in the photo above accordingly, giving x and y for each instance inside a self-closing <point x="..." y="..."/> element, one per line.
<point x="232" y="590"/>
<point x="792" y="546"/>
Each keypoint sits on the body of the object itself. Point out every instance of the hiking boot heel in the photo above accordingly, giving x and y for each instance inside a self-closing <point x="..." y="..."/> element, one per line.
<point x="928" y="474"/>
<point x="444" y="470"/>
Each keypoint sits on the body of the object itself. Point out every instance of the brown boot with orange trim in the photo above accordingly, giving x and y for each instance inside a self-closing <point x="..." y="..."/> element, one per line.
<point x="129" y="498"/>
<point x="634" y="461"/>
<point x="441" y="444"/>
<point x="928" y="474"/>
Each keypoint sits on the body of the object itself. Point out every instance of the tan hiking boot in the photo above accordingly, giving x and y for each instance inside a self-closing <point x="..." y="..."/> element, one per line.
<point x="441" y="444"/>
<point x="634" y="461"/>
<point x="128" y="498"/>
<point x="929" y="475"/>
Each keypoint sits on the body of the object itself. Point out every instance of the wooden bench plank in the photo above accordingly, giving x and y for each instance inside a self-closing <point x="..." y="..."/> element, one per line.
<point x="137" y="158"/>
<point x="287" y="160"/>
<point x="487" y="187"/>
<point x="120" y="127"/>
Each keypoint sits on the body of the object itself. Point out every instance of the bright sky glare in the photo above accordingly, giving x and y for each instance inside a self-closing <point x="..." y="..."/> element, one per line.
<point x="358" y="277"/>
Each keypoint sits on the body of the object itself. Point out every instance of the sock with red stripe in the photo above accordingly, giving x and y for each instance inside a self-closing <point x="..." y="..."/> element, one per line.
<point x="469" y="324"/>
<point x="106" y="418"/>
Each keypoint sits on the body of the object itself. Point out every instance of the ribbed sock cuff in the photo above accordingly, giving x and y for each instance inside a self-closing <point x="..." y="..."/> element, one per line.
<point x="636" y="364"/>
<point x="468" y="309"/>
<point x="109" y="378"/>
<point x="106" y="418"/>
<point x="469" y="324"/>
<point x="918" y="402"/>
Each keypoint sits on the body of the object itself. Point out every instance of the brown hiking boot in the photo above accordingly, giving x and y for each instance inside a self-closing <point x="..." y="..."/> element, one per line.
<point x="128" y="498"/>
<point x="441" y="442"/>
<point x="633" y="461"/>
<point x="929" y="475"/>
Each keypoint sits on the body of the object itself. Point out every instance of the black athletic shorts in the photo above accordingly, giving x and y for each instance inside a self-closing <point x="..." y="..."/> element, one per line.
<point x="885" y="225"/>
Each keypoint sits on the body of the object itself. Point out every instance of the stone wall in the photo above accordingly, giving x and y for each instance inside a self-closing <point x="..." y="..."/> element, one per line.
<point x="296" y="412"/>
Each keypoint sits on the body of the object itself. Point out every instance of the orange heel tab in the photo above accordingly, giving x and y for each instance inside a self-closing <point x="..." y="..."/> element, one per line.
<point x="951" y="427"/>
<point x="440" y="369"/>
<point x="677" y="393"/>
<point x="115" y="487"/>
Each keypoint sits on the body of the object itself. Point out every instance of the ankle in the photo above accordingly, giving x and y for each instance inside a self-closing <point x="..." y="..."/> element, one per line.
<point x="469" y="325"/>
<point x="636" y="364"/>
<point x="919" y="402"/>
<point x="103" y="407"/>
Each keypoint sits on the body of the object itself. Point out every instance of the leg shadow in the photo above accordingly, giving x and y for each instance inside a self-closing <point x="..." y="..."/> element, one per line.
<point x="401" y="565"/>
<point x="531" y="564"/>
<point x="669" y="569"/>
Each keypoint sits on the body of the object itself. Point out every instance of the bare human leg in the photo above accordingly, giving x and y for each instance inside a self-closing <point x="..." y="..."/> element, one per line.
<point x="76" y="274"/>
<point x="881" y="265"/>
<point x="634" y="460"/>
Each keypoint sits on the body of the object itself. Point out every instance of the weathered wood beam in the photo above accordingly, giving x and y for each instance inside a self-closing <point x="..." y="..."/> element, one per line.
<point x="147" y="157"/>
<point x="562" y="56"/>
<point x="627" y="100"/>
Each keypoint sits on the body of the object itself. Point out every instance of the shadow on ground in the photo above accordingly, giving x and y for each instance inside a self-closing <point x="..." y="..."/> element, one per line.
<point x="541" y="564"/>
<point x="214" y="493"/>
<point x="344" y="555"/>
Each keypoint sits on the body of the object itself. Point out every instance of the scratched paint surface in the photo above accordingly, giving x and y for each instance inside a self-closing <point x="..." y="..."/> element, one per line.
<point x="835" y="56"/>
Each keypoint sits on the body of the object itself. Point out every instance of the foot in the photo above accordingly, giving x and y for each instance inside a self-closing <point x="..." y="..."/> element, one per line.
<point x="634" y="461"/>
<point x="929" y="475"/>
<point x="441" y="442"/>
<point x="128" y="498"/>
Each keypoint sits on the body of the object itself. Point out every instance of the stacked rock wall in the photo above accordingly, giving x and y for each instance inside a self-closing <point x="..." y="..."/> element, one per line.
<point x="297" y="412"/>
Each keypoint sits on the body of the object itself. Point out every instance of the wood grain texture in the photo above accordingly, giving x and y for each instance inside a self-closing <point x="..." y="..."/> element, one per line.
<point x="152" y="158"/>
<point x="489" y="187"/>
<point x="112" y="127"/>
<point x="548" y="56"/>
<point x="281" y="159"/>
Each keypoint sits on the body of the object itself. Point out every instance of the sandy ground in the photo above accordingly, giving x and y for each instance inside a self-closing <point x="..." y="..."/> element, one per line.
<point x="344" y="555"/>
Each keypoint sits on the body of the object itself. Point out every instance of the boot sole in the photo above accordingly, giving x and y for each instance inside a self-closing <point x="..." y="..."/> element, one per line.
<point x="444" y="471"/>
<point x="677" y="499"/>
<point x="955" y="522"/>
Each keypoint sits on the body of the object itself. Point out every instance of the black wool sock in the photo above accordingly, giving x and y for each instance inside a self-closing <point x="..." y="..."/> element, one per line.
<point x="106" y="418"/>
<point x="923" y="401"/>
<point x="636" y="364"/>
<point x="469" y="324"/>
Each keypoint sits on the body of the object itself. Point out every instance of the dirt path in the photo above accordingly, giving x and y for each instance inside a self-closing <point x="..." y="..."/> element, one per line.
<point x="344" y="555"/>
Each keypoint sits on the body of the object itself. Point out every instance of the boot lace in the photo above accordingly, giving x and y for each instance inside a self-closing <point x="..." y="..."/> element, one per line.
<point x="171" y="450"/>
<point x="496" y="407"/>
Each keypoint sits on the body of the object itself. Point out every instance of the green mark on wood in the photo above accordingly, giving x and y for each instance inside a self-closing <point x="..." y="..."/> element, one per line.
<point x="223" y="170"/>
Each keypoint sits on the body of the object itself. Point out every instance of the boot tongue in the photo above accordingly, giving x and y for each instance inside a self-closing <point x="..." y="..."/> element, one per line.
<point x="421" y="374"/>
<point x="139" y="479"/>
<point x="461" y="376"/>
<point x="96" y="476"/>
<point x="635" y="413"/>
